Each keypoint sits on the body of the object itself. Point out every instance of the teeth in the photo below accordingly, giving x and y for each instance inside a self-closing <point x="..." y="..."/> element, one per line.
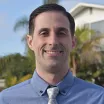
<point x="53" y="52"/>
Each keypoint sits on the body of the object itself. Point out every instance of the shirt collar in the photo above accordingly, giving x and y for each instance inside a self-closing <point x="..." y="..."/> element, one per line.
<point x="40" y="86"/>
<point x="66" y="84"/>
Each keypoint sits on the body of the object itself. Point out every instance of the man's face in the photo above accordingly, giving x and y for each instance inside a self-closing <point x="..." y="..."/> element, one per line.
<point x="52" y="40"/>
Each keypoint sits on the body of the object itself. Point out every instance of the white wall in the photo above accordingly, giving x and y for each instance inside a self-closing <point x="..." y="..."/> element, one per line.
<point x="98" y="14"/>
<point x="2" y="83"/>
<point x="85" y="16"/>
<point x="82" y="17"/>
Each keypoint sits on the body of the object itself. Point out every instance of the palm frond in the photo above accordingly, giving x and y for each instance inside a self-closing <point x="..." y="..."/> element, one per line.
<point x="21" y="23"/>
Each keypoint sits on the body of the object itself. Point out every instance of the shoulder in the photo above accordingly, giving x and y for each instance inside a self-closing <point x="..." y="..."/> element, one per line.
<point x="88" y="86"/>
<point x="84" y="83"/>
<point x="16" y="90"/>
<point x="19" y="86"/>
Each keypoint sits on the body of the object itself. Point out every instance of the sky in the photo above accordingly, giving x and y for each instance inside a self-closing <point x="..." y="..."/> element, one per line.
<point x="12" y="10"/>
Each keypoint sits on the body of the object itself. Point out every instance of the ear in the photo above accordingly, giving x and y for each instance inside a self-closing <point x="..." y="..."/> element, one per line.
<point x="73" y="42"/>
<point x="29" y="39"/>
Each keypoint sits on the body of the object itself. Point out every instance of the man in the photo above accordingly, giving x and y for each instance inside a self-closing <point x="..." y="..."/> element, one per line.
<point x="51" y="37"/>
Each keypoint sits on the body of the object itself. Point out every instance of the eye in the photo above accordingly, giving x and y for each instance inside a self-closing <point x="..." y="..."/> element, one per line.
<point x="44" y="33"/>
<point x="62" y="33"/>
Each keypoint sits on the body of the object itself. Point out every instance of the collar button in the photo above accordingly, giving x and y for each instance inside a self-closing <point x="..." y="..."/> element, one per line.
<point x="41" y="91"/>
<point x="63" y="92"/>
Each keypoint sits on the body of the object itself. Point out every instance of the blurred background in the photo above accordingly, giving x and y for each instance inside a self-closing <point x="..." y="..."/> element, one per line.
<point x="17" y="61"/>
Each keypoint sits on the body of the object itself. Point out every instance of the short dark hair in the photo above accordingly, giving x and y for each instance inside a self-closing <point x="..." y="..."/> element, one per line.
<point x="50" y="7"/>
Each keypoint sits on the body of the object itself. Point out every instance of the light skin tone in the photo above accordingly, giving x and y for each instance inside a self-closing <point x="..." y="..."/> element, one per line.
<point x="51" y="42"/>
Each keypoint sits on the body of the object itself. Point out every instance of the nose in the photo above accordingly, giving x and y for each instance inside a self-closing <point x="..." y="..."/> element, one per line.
<point x="53" y="39"/>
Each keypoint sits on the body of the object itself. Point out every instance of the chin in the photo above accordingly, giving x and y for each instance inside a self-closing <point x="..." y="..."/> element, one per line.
<point x="53" y="69"/>
<point x="54" y="65"/>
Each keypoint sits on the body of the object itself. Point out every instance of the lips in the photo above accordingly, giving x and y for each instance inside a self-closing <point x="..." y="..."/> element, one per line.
<point x="53" y="52"/>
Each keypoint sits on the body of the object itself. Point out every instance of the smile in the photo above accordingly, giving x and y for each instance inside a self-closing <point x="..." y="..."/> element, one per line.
<point x="53" y="52"/>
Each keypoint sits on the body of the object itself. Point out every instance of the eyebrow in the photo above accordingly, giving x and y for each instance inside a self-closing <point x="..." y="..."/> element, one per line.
<point x="56" y="29"/>
<point x="62" y="29"/>
<point x="43" y="29"/>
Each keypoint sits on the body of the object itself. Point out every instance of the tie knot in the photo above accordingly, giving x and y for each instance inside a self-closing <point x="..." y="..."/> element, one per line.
<point x="52" y="92"/>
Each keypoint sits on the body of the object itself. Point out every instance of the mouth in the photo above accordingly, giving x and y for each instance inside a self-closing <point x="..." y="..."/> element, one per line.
<point x="53" y="52"/>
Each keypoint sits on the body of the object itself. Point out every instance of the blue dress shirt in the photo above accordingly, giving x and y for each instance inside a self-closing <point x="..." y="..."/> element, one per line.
<point x="72" y="91"/>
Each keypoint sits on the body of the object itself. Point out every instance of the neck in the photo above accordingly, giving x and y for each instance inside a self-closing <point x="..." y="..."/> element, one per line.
<point x="52" y="77"/>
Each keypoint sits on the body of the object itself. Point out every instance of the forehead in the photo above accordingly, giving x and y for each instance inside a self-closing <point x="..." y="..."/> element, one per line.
<point x="51" y="19"/>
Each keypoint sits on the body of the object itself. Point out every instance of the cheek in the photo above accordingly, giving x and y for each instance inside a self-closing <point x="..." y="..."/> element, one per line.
<point x="68" y="43"/>
<point x="34" y="45"/>
<point x="37" y="45"/>
<point x="68" y="46"/>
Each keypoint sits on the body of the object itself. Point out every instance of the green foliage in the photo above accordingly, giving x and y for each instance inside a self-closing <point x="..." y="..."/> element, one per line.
<point x="10" y="80"/>
<point x="14" y="67"/>
<point x="88" y="61"/>
<point x="26" y="77"/>
<point x="92" y="72"/>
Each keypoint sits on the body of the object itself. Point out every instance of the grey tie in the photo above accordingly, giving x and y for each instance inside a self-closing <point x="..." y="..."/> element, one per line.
<point x="52" y="93"/>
